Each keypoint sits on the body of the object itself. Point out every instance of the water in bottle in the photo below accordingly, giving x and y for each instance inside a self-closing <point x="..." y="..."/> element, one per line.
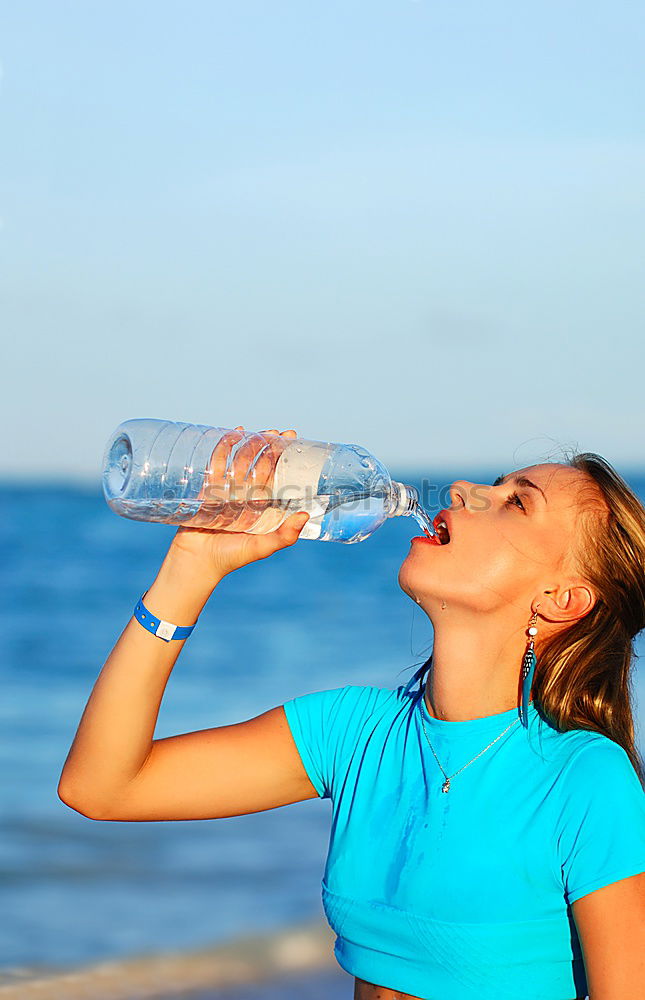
<point x="213" y="477"/>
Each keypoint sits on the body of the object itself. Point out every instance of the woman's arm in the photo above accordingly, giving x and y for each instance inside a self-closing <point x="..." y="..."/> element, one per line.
<point x="114" y="737"/>
<point x="115" y="770"/>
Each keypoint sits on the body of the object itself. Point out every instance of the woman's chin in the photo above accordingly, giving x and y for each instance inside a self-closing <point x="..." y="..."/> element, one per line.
<point x="418" y="579"/>
<point x="412" y="578"/>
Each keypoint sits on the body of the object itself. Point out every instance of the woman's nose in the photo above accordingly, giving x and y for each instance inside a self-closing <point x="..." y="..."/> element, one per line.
<point x="474" y="497"/>
<point x="459" y="492"/>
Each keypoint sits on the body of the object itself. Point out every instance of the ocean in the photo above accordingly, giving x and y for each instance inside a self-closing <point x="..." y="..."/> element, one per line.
<point x="315" y="616"/>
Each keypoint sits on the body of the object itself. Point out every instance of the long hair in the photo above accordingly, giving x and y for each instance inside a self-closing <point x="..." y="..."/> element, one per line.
<point x="584" y="673"/>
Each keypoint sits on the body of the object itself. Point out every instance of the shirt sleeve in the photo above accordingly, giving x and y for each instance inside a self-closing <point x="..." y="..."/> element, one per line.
<point x="601" y="836"/>
<point x="325" y="726"/>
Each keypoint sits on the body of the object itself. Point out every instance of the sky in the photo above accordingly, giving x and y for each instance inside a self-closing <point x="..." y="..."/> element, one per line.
<point x="418" y="227"/>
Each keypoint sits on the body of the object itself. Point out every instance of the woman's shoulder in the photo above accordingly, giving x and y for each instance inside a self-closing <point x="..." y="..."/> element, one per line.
<point x="595" y="754"/>
<point x="585" y="757"/>
<point x="349" y="702"/>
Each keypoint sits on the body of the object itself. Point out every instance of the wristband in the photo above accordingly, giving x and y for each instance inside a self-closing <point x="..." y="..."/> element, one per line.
<point x="157" y="626"/>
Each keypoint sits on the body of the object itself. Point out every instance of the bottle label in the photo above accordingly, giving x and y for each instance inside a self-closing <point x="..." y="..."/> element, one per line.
<point x="313" y="527"/>
<point x="297" y="478"/>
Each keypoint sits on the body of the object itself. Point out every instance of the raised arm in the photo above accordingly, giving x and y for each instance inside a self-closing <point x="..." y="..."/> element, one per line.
<point x="116" y="770"/>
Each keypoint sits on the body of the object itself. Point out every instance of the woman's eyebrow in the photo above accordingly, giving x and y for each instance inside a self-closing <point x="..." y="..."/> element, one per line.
<point x="520" y="481"/>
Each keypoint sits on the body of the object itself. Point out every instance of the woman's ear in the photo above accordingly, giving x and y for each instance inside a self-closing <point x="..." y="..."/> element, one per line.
<point x="568" y="602"/>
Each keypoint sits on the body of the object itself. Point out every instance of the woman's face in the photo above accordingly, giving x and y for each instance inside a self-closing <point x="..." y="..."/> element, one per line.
<point x="509" y="542"/>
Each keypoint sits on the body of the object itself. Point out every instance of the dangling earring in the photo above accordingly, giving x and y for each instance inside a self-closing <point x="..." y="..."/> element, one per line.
<point x="529" y="662"/>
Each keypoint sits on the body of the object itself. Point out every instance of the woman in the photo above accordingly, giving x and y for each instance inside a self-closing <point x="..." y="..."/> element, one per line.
<point x="476" y="851"/>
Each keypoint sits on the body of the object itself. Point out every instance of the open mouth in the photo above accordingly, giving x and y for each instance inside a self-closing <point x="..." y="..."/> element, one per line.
<point x="441" y="530"/>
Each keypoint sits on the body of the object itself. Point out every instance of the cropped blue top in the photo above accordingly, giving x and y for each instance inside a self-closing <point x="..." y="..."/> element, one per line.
<point x="464" y="895"/>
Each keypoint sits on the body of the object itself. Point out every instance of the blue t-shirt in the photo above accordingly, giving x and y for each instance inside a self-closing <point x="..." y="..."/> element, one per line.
<point x="463" y="895"/>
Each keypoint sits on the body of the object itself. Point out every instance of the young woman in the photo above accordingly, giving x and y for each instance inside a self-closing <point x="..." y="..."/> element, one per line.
<point x="486" y="844"/>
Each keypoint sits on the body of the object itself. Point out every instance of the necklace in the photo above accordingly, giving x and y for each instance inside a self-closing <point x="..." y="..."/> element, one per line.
<point x="446" y="785"/>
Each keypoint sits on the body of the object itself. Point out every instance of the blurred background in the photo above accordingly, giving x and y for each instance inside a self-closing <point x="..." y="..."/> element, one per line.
<point x="409" y="225"/>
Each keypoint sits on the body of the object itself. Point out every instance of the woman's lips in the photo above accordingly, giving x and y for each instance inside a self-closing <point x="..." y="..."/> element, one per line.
<point x="429" y="540"/>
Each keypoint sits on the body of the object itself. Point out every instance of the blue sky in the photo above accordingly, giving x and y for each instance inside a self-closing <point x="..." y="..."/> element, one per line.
<point x="411" y="225"/>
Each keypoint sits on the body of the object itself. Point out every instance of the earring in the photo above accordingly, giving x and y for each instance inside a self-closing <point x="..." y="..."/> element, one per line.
<point x="529" y="662"/>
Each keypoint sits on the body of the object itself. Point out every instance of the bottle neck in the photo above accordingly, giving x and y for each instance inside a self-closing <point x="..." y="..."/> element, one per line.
<point x="403" y="499"/>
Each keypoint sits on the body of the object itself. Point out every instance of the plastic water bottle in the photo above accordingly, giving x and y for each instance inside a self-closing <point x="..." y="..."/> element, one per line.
<point x="213" y="477"/>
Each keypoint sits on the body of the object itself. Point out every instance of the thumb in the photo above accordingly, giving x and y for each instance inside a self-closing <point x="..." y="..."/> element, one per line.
<point x="291" y="528"/>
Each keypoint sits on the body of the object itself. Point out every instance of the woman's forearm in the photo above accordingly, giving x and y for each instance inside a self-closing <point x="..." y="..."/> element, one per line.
<point x="115" y="734"/>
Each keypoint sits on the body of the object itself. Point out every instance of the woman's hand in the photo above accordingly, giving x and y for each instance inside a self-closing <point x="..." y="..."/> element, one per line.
<point x="220" y="551"/>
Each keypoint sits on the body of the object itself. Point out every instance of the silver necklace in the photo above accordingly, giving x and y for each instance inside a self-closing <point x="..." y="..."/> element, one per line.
<point x="446" y="785"/>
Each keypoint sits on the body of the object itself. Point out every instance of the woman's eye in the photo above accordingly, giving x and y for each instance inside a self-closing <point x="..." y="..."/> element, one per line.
<point x="514" y="499"/>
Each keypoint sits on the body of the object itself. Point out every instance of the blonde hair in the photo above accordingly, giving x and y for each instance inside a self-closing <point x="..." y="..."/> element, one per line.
<point x="583" y="678"/>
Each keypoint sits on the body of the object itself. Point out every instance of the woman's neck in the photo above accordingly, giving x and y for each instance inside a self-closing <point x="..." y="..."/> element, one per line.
<point x="475" y="667"/>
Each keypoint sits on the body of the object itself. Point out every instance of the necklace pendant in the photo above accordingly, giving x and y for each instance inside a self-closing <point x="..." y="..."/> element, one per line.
<point x="446" y="785"/>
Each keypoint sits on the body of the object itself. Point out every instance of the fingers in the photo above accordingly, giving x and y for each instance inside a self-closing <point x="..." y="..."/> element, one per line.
<point x="294" y="524"/>
<point x="281" y="538"/>
<point x="289" y="530"/>
<point x="241" y="469"/>
<point x="273" y="430"/>
<point x="298" y="519"/>
<point x="218" y="464"/>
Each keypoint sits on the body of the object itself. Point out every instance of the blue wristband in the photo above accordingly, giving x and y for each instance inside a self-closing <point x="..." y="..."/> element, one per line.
<point x="157" y="626"/>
